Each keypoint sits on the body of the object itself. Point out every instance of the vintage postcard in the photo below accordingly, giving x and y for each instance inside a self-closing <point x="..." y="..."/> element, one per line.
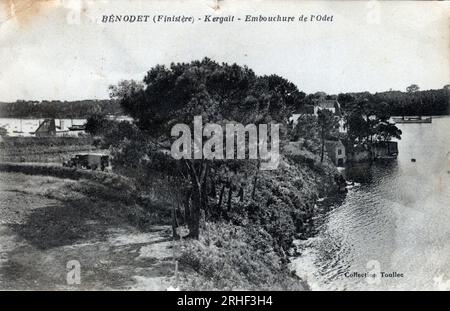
<point x="224" y="145"/>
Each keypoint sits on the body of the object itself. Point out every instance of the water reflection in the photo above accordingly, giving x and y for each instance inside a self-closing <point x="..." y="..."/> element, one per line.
<point x="398" y="216"/>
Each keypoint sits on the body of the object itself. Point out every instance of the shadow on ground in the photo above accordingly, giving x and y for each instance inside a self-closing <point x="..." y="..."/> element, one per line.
<point x="115" y="248"/>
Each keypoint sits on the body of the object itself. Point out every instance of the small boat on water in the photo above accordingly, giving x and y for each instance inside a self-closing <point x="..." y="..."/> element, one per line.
<point x="76" y="127"/>
<point x="413" y="119"/>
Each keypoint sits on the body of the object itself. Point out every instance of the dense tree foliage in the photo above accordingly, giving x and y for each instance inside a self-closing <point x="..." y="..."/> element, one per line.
<point x="219" y="93"/>
<point x="368" y="122"/>
<point x="306" y="128"/>
<point x="412" y="103"/>
<point x="426" y="102"/>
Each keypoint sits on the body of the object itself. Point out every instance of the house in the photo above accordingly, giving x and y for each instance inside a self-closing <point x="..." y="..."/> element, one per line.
<point x="336" y="151"/>
<point x="335" y="107"/>
<point x="321" y="104"/>
<point x="46" y="129"/>
<point x="328" y="104"/>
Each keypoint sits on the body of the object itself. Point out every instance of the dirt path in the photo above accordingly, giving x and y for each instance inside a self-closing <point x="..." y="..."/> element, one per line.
<point x="47" y="223"/>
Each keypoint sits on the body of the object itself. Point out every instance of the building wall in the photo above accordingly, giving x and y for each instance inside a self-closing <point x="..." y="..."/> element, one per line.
<point x="385" y="149"/>
<point x="360" y="156"/>
<point x="340" y="155"/>
<point x="336" y="152"/>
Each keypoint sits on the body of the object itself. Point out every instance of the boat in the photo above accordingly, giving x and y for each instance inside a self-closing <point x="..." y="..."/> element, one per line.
<point x="76" y="127"/>
<point x="412" y="119"/>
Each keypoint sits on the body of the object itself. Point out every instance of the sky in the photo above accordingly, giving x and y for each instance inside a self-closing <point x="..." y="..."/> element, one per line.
<point x="60" y="50"/>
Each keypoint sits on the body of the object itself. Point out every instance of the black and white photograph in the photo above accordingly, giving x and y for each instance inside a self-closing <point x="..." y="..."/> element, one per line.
<point x="223" y="145"/>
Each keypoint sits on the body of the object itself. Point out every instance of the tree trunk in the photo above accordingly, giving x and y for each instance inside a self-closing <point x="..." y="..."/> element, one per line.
<point x="255" y="181"/>
<point x="219" y="204"/>
<point x="187" y="208"/>
<point x="174" y="223"/>
<point x="230" y="194"/>
<point x="197" y="180"/>
<point x="204" y="194"/>
<point x="323" y="149"/>
<point x="213" y="192"/>
<point x="194" y="219"/>
<point x="241" y="194"/>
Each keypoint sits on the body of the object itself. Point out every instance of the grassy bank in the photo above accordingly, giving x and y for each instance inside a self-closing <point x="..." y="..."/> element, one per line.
<point x="42" y="149"/>
<point x="251" y="251"/>
<point x="230" y="257"/>
<point x="100" y="185"/>
<point x="57" y="170"/>
<point x="248" y="250"/>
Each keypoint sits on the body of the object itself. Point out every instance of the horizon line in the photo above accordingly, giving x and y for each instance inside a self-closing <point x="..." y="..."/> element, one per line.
<point x="307" y="93"/>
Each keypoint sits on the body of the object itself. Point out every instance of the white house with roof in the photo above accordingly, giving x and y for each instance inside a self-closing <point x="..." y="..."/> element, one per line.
<point x="332" y="105"/>
<point x="328" y="104"/>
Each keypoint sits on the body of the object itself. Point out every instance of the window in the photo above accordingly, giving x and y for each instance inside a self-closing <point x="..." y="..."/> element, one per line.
<point x="339" y="151"/>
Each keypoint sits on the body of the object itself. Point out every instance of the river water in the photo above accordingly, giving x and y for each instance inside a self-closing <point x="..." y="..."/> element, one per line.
<point x="396" y="221"/>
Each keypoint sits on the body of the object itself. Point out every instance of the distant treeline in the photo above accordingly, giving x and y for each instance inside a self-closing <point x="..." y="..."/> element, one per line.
<point x="59" y="109"/>
<point x="427" y="102"/>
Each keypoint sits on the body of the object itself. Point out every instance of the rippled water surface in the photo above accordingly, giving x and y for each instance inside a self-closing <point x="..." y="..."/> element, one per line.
<point x="398" y="219"/>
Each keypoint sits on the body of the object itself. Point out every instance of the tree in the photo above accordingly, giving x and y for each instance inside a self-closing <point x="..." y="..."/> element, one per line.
<point x="369" y="121"/>
<point x="345" y="99"/>
<point x="96" y="124"/>
<point x="358" y="127"/>
<point x="125" y="88"/>
<point x="385" y="131"/>
<point x="328" y="125"/>
<point x="218" y="93"/>
<point x="306" y="127"/>
<point x="412" y="88"/>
